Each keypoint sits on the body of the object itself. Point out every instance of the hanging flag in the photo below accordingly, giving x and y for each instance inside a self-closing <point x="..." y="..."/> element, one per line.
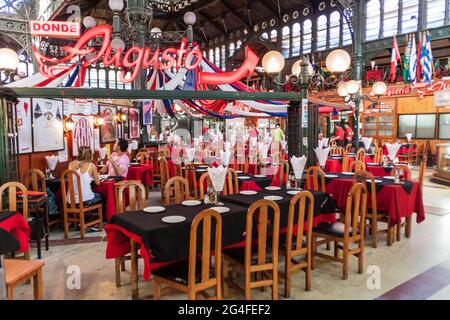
<point x="413" y="60"/>
<point x="419" y="55"/>
<point x="426" y="59"/>
<point x="406" y="60"/>
<point x="395" y="57"/>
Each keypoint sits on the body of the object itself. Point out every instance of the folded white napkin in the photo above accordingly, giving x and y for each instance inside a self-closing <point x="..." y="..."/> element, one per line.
<point x="102" y="152"/>
<point x="322" y="143"/>
<point x="253" y="141"/>
<point x="392" y="149"/>
<point x="190" y="153"/>
<point x="367" y="142"/>
<point x="134" y="145"/>
<point x="283" y="144"/>
<point x="217" y="176"/>
<point x="227" y="146"/>
<point x="232" y="140"/>
<point x="408" y="136"/>
<point x="322" y="155"/>
<point x="298" y="164"/>
<point x="52" y="161"/>
<point x="225" y="157"/>
<point x="263" y="149"/>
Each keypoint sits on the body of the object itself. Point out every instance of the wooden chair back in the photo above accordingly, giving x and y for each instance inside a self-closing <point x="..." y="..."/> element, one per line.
<point x="355" y="212"/>
<point x="241" y="165"/>
<point x="206" y="219"/>
<point x="356" y="166"/>
<point x="378" y="155"/>
<point x="180" y="188"/>
<point x="345" y="163"/>
<point x="144" y="150"/>
<point x="203" y="182"/>
<point x="68" y="191"/>
<point x="361" y="155"/>
<point x="177" y="169"/>
<point x="333" y="143"/>
<point x="190" y="176"/>
<point x="301" y="201"/>
<point x="232" y="184"/>
<point x="339" y="151"/>
<point x="261" y="209"/>
<point x="349" y="148"/>
<point x="283" y="172"/>
<point x="143" y="157"/>
<point x="34" y="180"/>
<point x="136" y="196"/>
<point x="364" y="177"/>
<point x="164" y="171"/>
<point x="401" y="168"/>
<point x="313" y="174"/>
<point x="422" y="168"/>
<point x="12" y="188"/>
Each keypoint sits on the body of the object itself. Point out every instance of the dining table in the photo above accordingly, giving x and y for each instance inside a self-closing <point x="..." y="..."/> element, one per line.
<point x="141" y="172"/>
<point x="252" y="181"/>
<point x="334" y="162"/>
<point x="160" y="243"/>
<point x="14" y="223"/>
<point x="403" y="150"/>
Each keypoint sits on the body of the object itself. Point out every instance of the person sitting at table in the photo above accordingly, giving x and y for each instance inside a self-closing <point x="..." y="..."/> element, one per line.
<point x="339" y="136"/>
<point x="88" y="173"/>
<point x="118" y="162"/>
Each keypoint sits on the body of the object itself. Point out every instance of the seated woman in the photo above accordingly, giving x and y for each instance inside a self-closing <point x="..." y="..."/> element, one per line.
<point x="118" y="162"/>
<point x="88" y="173"/>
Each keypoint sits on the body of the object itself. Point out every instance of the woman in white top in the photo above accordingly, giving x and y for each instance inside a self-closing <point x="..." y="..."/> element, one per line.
<point x="88" y="173"/>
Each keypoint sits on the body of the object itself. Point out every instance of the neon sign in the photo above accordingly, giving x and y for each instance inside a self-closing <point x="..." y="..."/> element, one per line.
<point x="136" y="59"/>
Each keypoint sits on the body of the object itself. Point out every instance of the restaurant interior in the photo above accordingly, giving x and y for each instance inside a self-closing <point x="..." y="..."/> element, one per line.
<point x="230" y="150"/>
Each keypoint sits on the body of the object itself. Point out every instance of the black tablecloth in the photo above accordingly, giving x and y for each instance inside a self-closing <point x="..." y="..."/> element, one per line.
<point x="323" y="202"/>
<point x="4" y="215"/>
<point x="163" y="239"/>
<point x="406" y="184"/>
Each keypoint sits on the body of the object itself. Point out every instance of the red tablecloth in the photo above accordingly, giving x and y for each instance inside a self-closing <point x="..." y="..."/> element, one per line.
<point x="106" y="189"/>
<point x="18" y="227"/>
<point x="335" y="165"/>
<point x="143" y="172"/>
<point x="391" y="198"/>
<point x="249" y="185"/>
<point x="402" y="151"/>
<point x="378" y="171"/>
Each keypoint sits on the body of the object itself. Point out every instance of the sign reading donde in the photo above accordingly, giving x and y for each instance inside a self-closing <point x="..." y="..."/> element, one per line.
<point x="134" y="59"/>
<point x="55" y="29"/>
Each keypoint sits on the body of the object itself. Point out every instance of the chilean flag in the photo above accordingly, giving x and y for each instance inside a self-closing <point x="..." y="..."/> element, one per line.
<point x="395" y="57"/>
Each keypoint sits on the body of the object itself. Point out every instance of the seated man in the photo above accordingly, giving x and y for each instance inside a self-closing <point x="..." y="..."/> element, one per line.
<point x="118" y="162"/>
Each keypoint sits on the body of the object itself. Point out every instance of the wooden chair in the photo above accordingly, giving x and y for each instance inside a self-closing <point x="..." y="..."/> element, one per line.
<point x="347" y="233"/>
<point x="164" y="174"/>
<point x="241" y="166"/>
<point x="144" y="150"/>
<point x="312" y="179"/>
<point x="401" y="169"/>
<point x="12" y="189"/>
<point x="143" y="157"/>
<point x="373" y="214"/>
<point x="378" y="155"/>
<point x="18" y="272"/>
<point x="356" y="166"/>
<point x="204" y="181"/>
<point x="420" y="152"/>
<point x="333" y="143"/>
<point x="345" y="163"/>
<point x="34" y="180"/>
<point x="232" y="184"/>
<point x="194" y="275"/>
<point x="422" y="168"/>
<point x="177" y="170"/>
<point x="256" y="257"/>
<point x="179" y="187"/>
<point x="349" y="148"/>
<point x="190" y="176"/>
<point x="361" y="155"/>
<point x="136" y="194"/>
<point x="283" y="172"/>
<point x="294" y="246"/>
<point x="154" y="161"/>
<point x="76" y="212"/>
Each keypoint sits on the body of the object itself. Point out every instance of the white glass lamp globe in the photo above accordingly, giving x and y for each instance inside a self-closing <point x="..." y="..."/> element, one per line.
<point x="156" y="32"/>
<point x="379" y="88"/>
<point x="189" y="18"/>
<point x="273" y="62"/>
<point x="116" y="5"/>
<point x="89" y="22"/>
<point x="338" y="61"/>
<point x="9" y="60"/>
<point x="352" y="87"/>
<point x="117" y="43"/>
<point x="297" y="68"/>
<point x="342" y="90"/>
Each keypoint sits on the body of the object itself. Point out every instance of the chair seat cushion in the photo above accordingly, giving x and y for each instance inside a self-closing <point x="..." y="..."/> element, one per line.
<point x="178" y="271"/>
<point x="333" y="229"/>
<point x="91" y="202"/>
<point x="238" y="254"/>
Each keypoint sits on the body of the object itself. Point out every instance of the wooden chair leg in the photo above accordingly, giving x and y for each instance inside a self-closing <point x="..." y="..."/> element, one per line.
<point x="361" y="257"/>
<point x="345" y="262"/>
<point x="275" y="285"/>
<point x="122" y="265"/>
<point x="374" y="228"/>
<point x="82" y="231"/>
<point x="336" y="249"/>
<point x="100" y="216"/>
<point x="399" y="231"/>
<point x="225" y="278"/>
<point x="157" y="289"/>
<point x="117" y="268"/>
<point x="308" y="273"/>
<point x="313" y="253"/>
<point x="37" y="285"/>
<point x="247" y="290"/>
<point x="66" y="226"/>
<point x="408" y="227"/>
<point x="46" y="226"/>
<point x="287" y="277"/>
<point x="9" y="294"/>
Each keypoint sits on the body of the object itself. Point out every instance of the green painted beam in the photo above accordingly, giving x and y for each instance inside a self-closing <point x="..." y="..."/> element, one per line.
<point x="145" y="94"/>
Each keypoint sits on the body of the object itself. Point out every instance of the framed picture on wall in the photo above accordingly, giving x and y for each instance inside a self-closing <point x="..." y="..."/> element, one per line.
<point x="48" y="125"/>
<point x="108" y="132"/>
<point x="124" y="127"/>
<point x="134" y="123"/>
<point x="24" y="127"/>
<point x="147" y="113"/>
<point x="83" y="132"/>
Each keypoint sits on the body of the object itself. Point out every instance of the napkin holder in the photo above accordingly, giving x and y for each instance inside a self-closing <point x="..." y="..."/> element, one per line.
<point x="8" y="244"/>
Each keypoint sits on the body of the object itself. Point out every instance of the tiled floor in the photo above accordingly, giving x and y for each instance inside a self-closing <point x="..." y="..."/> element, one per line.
<point x="415" y="268"/>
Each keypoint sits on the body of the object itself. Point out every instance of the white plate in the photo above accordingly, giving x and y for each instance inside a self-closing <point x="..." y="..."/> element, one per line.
<point x="134" y="162"/>
<point x="154" y="209"/>
<point x="293" y="192"/>
<point x="221" y="209"/>
<point x="373" y="164"/>
<point x="173" y="219"/>
<point x="273" y="198"/>
<point x="203" y="167"/>
<point x="100" y="165"/>
<point x="191" y="203"/>
<point x="201" y="170"/>
<point x="272" y="188"/>
<point x="104" y="176"/>
<point x="331" y="176"/>
<point x="259" y="176"/>
<point x="248" y="192"/>
<point x="389" y="177"/>
<point x="244" y="177"/>
<point x="239" y="171"/>
<point x="348" y="173"/>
